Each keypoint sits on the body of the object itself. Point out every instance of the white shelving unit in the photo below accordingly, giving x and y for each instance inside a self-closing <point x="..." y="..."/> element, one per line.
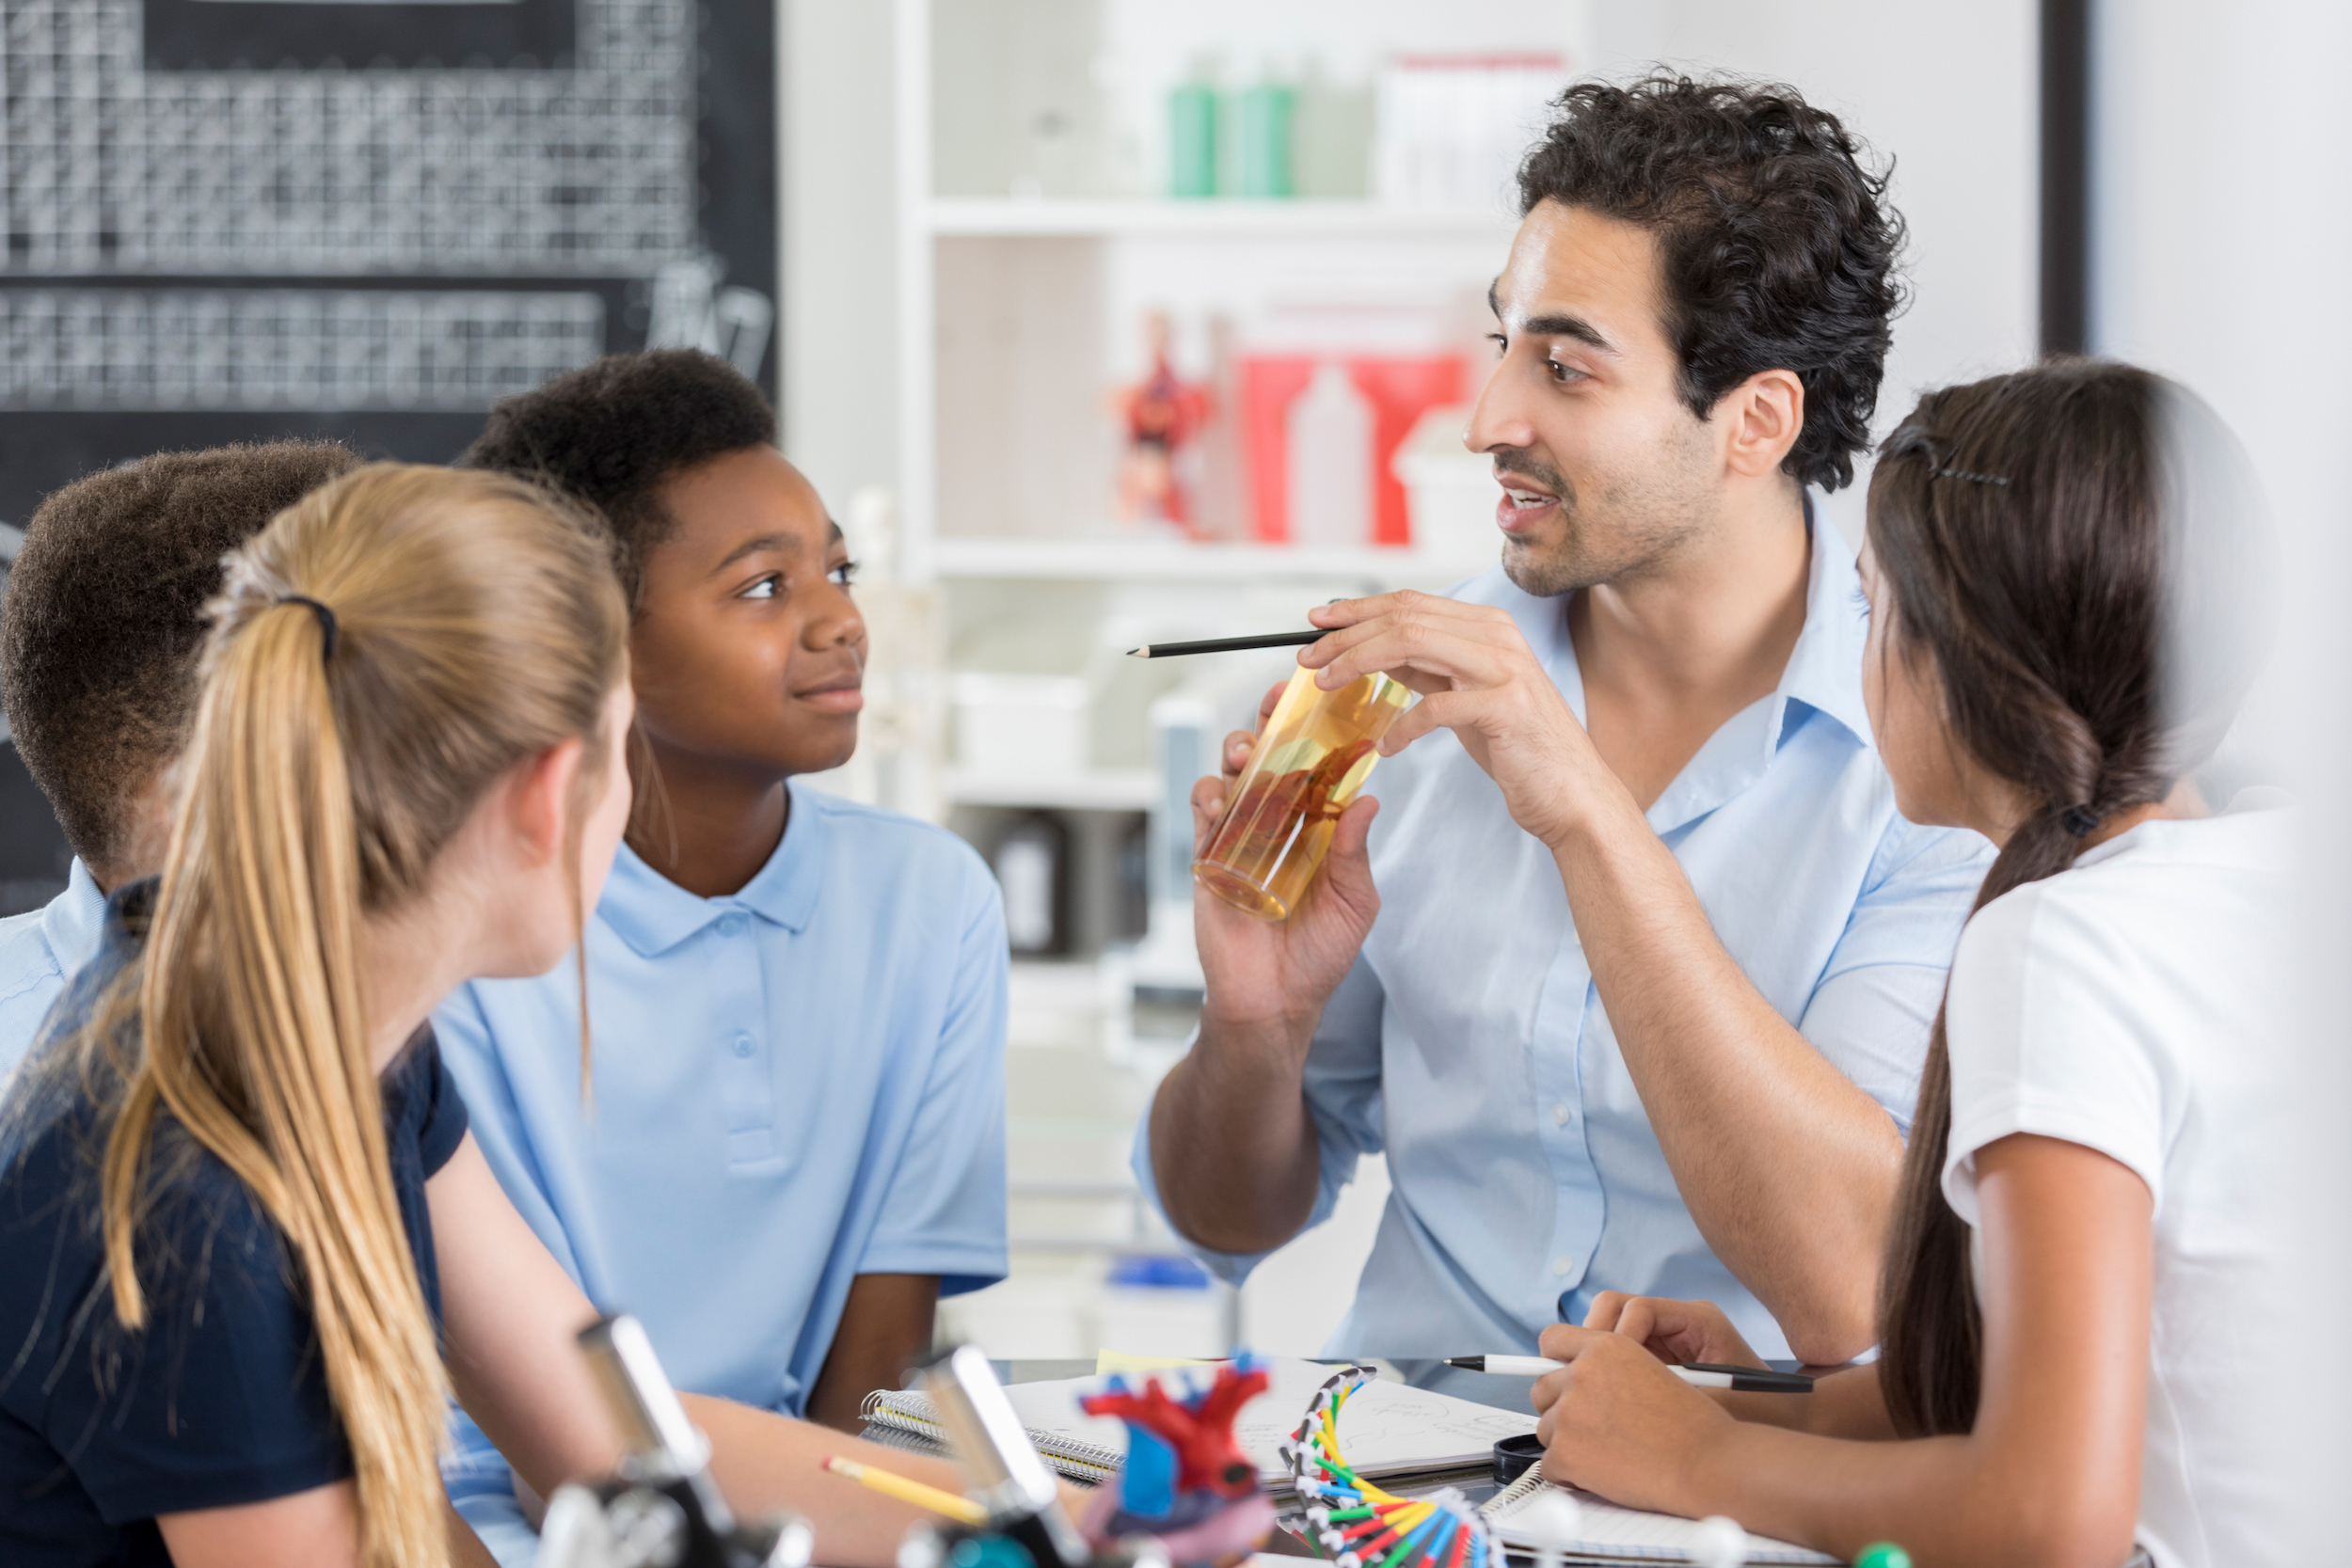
<point x="1015" y="316"/>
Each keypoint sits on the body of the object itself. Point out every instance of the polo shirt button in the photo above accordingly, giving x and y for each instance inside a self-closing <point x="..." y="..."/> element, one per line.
<point x="1560" y="1267"/>
<point x="743" y="1045"/>
<point x="1560" y="1114"/>
<point x="731" y="925"/>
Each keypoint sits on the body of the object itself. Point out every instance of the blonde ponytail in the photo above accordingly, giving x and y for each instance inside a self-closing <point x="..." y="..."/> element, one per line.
<point x="381" y="653"/>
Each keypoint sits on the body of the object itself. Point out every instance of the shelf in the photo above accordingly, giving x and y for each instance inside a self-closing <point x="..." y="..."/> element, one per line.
<point x="1166" y="561"/>
<point x="1096" y="789"/>
<point x="1070" y="1190"/>
<point x="1046" y="217"/>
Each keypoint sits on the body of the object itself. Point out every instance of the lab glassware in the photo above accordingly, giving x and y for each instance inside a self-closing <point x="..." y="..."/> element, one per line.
<point x="1311" y="760"/>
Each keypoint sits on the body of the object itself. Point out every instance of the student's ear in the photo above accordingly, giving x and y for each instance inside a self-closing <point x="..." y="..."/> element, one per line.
<point x="538" y="796"/>
<point x="1762" y="418"/>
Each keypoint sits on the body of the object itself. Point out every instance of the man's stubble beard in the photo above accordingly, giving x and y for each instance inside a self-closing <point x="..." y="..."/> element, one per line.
<point x="1654" y="522"/>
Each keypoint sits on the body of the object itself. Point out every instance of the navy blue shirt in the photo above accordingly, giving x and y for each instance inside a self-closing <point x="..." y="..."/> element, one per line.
<point x="222" y="1399"/>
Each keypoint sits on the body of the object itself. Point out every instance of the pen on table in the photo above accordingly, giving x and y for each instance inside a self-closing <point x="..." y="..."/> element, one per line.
<point x="1228" y="644"/>
<point x="964" y="1511"/>
<point x="1744" y="1380"/>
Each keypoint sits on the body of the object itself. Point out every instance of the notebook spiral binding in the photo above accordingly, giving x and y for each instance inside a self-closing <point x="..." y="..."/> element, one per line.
<point x="1529" y="1482"/>
<point x="908" y="1412"/>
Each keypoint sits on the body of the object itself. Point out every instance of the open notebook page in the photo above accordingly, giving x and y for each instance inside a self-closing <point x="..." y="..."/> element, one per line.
<point x="1627" y="1534"/>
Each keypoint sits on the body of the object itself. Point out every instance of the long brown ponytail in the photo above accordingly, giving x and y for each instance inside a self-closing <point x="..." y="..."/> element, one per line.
<point x="381" y="653"/>
<point x="2047" y="540"/>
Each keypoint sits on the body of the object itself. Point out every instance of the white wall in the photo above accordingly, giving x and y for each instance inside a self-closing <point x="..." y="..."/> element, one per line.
<point x="1949" y="89"/>
<point x="2218" y="250"/>
<point x="840" y="244"/>
<point x="2219" y="254"/>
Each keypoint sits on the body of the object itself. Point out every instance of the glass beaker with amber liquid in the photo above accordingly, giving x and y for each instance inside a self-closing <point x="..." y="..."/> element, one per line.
<point x="1308" y="763"/>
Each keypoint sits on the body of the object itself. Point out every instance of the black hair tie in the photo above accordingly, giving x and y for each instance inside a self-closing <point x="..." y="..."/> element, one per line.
<point x="326" y="622"/>
<point x="2080" y="821"/>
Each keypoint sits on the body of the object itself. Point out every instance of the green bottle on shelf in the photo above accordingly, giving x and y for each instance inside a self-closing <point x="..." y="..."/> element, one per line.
<point x="1883" y="1554"/>
<point x="1268" y="112"/>
<point x="1192" y="141"/>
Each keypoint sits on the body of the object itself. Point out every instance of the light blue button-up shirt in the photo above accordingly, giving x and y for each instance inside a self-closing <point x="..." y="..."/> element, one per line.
<point x="794" y="1086"/>
<point x="1469" y="1042"/>
<point x="38" y="953"/>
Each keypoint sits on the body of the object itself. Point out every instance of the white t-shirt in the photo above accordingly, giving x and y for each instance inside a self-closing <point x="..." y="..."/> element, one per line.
<point x="2131" y="1005"/>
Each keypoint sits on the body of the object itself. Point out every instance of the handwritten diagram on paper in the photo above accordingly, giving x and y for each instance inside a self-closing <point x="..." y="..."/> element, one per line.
<point x="1386" y="1424"/>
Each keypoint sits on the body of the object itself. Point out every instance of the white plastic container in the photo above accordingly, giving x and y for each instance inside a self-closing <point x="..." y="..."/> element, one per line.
<point x="1021" y="726"/>
<point x="1450" y="129"/>
<point x="1450" y="491"/>
<point x="1331" y="431"/>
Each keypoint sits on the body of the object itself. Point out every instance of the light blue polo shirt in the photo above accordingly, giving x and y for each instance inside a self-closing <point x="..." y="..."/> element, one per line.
<point x="38" y="953"/>
<point x="794" y="1086"/>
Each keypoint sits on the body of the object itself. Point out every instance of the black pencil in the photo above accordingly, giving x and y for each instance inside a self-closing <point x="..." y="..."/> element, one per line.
<point x="1228" y="644"/>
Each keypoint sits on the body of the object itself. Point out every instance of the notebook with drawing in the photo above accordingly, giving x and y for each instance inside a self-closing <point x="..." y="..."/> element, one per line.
<point x="1607" y="1533"/>
<point x="1391" y="1430"/>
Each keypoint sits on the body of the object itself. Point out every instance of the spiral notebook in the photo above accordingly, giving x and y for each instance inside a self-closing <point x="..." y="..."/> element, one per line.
<point x="1607" y="1533"/>
<point x="1388" y="1429"/>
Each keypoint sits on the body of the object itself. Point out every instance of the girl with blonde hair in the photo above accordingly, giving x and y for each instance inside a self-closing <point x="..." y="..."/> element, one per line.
<point x="247" y="1250"/>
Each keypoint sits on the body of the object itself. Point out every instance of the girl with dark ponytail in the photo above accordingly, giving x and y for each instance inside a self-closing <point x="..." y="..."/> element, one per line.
<point x="2067" y="575"/>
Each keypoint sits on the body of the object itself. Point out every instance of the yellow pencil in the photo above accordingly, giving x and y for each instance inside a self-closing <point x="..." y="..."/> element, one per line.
<point x="962" y="1510"/>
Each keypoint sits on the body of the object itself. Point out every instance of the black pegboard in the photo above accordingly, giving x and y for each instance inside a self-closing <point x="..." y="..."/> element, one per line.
<point x="372" y="153"/>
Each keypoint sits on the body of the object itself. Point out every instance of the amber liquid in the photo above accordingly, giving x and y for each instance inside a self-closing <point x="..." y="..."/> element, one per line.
<point x="1309" y="762"/>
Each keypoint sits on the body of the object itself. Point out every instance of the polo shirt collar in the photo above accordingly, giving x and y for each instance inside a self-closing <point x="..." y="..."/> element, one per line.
<point x="1823" y="674"/>
<point x="653" y="914"/>
<point x="72" y="922"/>
<point x="1824" y="669"/>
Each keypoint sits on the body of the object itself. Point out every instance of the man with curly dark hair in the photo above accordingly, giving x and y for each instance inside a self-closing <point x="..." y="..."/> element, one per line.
<point x="99" y="629"/>
<point x="796" y="1143"/>
<point x="1646" y="1021"/>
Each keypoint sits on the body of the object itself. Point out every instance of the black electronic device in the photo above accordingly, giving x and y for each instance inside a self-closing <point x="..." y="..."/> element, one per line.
<point x="1513" y="1456"/>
